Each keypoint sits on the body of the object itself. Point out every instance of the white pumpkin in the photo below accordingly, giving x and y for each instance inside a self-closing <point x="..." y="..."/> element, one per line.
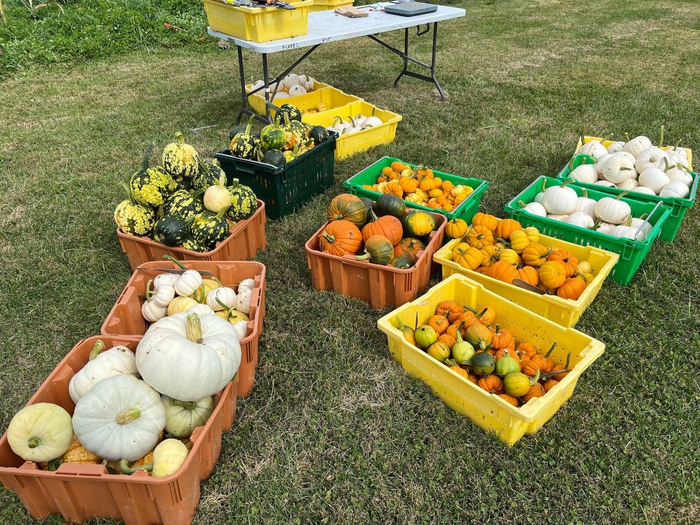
<point x="604" y="227"/>
<point x="614" y="147"/>
<point x="241" y="327"/>
<point x="617" y="168"/>
<point x="626" y="232"/>
<point x="645" y="227"/>
<point x="151" y="312"/>
<point x="182" y="417"/>
<point x="281" y="94"/>
<point x="680" y="175"/>
<point x="188" y="282"/>
<point x="309" y="84"/>
<point x="652" y="157"/>
<point x="612" y="210"/>
<point x="165" y="294"/>
<point x="535" y="208"/>
<point x="297" y="90"/>
<point x="580" y="219"/>
<point x="188" y="357"/>
<point x="40" y="432"/>
<point x="256" y="85"/>
<point x="121" y="417"/>
<point x="594" y="148"/>
<point x="221" y="298"/>
<point x="653" y="178"/>
<point x="243" y="301"/>
<point x="644" y="190"/>
<point x="246" y="284"/>
<point x="168" y="457"/>
<point x="165" y="279"/>
<point x="558" y="216"/>
<point x="291" y="80"/>
<point x="606" y="183"/>
<point x="585" y="173"/>
<point x="637" y="145"/>
<point x="101" y="365"/>
<point x="629" y="184"/>
<point x="599" y="163"/>
<point x="678" y="160"/>
<point x="560" y="200"/>
<point x="586" y="205"/>
<point x="676" y="150"/>
<point x="200" y="309"/>
<point x="675" y="189"/>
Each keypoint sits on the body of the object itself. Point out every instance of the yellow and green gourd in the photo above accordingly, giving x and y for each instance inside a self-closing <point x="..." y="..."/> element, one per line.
<point x="209" y="228"/>
<point x="180" y="159"/>
<point x="182" y="204"/>
<point x="244" y="202"/>
<point x="151" y="186"/>
<point x="134" y="218"/>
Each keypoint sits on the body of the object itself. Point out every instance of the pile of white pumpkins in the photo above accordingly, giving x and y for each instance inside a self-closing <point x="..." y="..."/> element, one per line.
<point x="125" y="400"/>
<point x="637" y="166"/>
<point x="290" y="86"/>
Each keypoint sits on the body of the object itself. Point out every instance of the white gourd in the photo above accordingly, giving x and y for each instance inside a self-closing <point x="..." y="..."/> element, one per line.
<point x="605" y="227"/>
<point x="586" y="205"/>
<point x="612" y="210"/>
<point x="626" y="232"/>
<point x="583" y="220"/>
<point x="40" y="432"/>
<point x="538" y="197"/>
<point x="200" y="309"/>
<point x="617" y="168"/>
<point x="255" y="85"/>
<point x="164" y="279"/>
<point x="584" y="173"/>
<point x="678" y="160"/>
<point x="151" y="312"/>
<point x="675" y="189"/>
<point x="679" y="175"/>
<point x="188" y="282"/>
<point x="291" y="80"/>
<point x="593" y="148"/>
<point x="281" y="94"/>
<point x="677" y="150"/>
<point x="628" y="185"/>
<point x="637" y="145"/>
<point x="653" y="178"/>
<point x="188" y="357"/>
<point x="372" y="122"/>
<point x="221" y="298"/>
<point x="535" y="208"/>
<point x="242" y="328"/>
<point x="120" y="417"/>
<point x="297" y="90"/>
<point x="615" y="147"/>
<point x="558" y="216"/>
<point x="599" y="163"/>
<point x="606" y="183"/>
<point x="646" y="227"/>
<point x="652" y="157"/>
<point x="164" y="295"/>
<point x="560" y="200"/>
<point x="309" y="84"/>
<point x="101" y="365"/>
<point x="246" y="284"/>
<point x="243" y="301"/>
<point x="644" y="190"/>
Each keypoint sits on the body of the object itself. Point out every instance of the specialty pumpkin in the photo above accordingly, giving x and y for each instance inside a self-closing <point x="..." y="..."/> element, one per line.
<point x="347" y="207"/>
<point x="389" y="204"/>
<point x="455" y="228"/>
<point x="340" y="237"/>
<point x="387" y="226"/>
<point x="418" y="223"/>
<point x="182" y="417"/>
<point x="379" y="249"/>
<point x="40" y="432"/>
<point x="179" y="158"/>
<point x="244" y="202"/>
<point x="101" y="365"/>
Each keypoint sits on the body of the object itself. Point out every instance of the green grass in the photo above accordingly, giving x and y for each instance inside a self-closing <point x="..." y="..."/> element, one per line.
<point x="334" y="430"/>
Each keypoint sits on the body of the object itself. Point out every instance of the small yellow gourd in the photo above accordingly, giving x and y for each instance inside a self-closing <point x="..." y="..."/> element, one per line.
<point x="181" y="304"/>
<point x="40" y="432"/>
<point x="168" y="457"/>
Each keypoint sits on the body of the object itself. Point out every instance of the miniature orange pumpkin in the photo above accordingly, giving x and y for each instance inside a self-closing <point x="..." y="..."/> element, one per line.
<point x="509" y="399"/>
<point x="449" y="309"/>
<point x="484" y="219"/>
<point x="552" y="274"/>
<point x="572" y="288"/>
<point x="503" y="271"/>
<point x="535" y="254"/>
<point x="479" y="237"/>
<point x="455" y="228"/>
<point x="492" y="384"/>
<point x="387" y="226"/>
<point x="506" y="227"/>
<point x="567" y="258"/>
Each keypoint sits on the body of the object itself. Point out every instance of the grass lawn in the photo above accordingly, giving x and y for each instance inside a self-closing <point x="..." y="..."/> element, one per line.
<point x="334" y="430"/>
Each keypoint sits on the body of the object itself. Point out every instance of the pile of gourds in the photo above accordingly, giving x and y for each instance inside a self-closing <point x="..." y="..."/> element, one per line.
<point x="292" y="85"/>
<point x="420" y="186"/>
<point x="388" y="233"/>
<point x="473" y="345"/>
<point x="504" y="250"/>
<point x="185" y="202"/>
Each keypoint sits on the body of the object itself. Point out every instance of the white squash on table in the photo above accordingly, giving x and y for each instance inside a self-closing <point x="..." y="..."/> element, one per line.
<point x="40" y="432"/>
<point x="188" y="357"/>
<point x="101" y="365"/>
<point x="120" y="417"/>
<point x="182" y="417"/>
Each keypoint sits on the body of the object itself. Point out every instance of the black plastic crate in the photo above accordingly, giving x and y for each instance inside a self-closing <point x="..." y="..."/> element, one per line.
<point x="286" y="188"/>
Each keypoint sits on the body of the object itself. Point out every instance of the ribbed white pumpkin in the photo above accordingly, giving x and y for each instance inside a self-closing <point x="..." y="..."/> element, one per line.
<point x="580" y="219"/>
<point x="606" y="183"/>
<point x="637" y="145"/>
<point x="629" y="184"/>
<point x="601" y="160"/>
<point x="560" y="200"/>
<point x="558" y="216"/>
<point x="612" y="210"/>
<point x="101" y="365"/>
<point x="646" y="227"/>
<point x="627" y="232"/>
<point x="605" y="227"/>
<point x="585" y="173"/>
<point x="653" y="178"/>
<point x="188" y="282"/>
<point x="614" y="147"/>
<point x="594" y="148"/>
<point x="165" y="279"/>
<point x="644" y="190"/>
<point x="617" y="168"/>
<point x="586" y="205"/>
<point x="675" y="189"/>
<point x="200" y="309"/>
<point x="189" y="363"/>
<point x="652" y="157"/>
<point x="678" y="160"/>
<point x="221" y="298"/>
<point x="121" y="417"/>
<point x="535" y="208"/>
<point x="679" y="175"/>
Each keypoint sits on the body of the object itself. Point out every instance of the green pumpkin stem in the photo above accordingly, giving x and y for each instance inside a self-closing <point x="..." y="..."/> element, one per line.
<point x="222" y="304"/>
<point x="33" y="442"/>
<point x="536" y="378"/>
<point x="546" y="375"/>
<point x="173" y="259"/>
<point x="126" y="469"/>
<point x="99" y="346"/>
<point x="194" y="329"/>
<point x="147" y="155"/>
<point x="568" y="359"/>
<point x="129" y="193"/>
<point x="52" y="466"/>
<point x="127" y="416"/>
<point x="661" y="137"/>
<point x="549" y="352"/>
<point x="187" y="405"/>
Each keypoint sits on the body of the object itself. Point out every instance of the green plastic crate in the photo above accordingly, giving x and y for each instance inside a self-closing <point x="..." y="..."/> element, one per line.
<point x="632" y="253"/>
<point x="466" y="209"/>
<point x="678" y="205"/>
<point x="284" y="189"/>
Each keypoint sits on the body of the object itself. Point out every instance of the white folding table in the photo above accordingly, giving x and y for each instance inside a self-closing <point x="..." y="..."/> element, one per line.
<point x="327" y="26"/>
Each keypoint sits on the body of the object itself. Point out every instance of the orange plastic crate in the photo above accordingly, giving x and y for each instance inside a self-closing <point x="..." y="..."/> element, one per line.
<point x="125" y="317"/>
<point x="379" y="285"/>
<point x="83" y="492"/>
<point x="244" y="241"/>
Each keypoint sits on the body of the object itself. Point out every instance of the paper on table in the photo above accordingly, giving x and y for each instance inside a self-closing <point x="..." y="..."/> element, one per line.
<point x="351" y="12"/>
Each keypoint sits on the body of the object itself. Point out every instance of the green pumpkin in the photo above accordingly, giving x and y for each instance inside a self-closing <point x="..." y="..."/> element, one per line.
<point x="380" y="249"/>
<point x="209" y="228"/>
<point x="318" y="134"/>
<point x="272" y="137"/>
<point x="190" y="243"/>
<point x="274" y="157"/>
<point x="483" y="363"/>
<point x="244" y="202"/>
<point x="171" y="231"/>
<point x="289" y="111"/>
<point x="182" y="183"/>
<point x="244" y="144"/>
<point x="134" y="218"/>
<point x="506" y="365"/>
<point x="179" y="158"/>
<point x="418" y="224"/>
<point x="182" y="204"/>
<point x="208" y="175"/>
<point x="388" y="204"/>
<point x="404" y="262"/>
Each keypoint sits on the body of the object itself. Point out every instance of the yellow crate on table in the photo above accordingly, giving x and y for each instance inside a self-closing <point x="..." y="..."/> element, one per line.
<point x="606" y="143"/>
<point x="486" y="410"/>
<point x="350" y="144"/>
<point x="258" y="24"/>
<point x="327" y="5"/>
<point x="565" y="312"/>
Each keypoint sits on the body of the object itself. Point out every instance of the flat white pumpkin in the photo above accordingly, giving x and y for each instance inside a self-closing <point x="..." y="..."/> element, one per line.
<point x="612" y="210"/>
<point x="652" y="157"/>
<point x="637" y="145"/>
<point x="101" y="365"/>
<point x="120" y="417"/>
<point x="680" y="175"/>
<point x="40" y="432"/>
<point x="617" y="168"/>
<point x="614" y="147"/>
<point x="674" y="189"/>
<point x="653" y="178"/>
<point x="594" y="148"/>
<point x="189" y="362"/>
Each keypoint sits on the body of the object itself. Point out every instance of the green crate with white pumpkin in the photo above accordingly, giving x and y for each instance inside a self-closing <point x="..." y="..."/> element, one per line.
<point x="675" y="186"/>
<point x="566" y="211"/>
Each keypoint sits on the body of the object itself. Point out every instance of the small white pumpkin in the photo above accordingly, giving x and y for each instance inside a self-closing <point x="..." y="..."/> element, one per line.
<point x="182" y="417"/>
<point x="151" y="312"/>
<point x="612" y="210"/>
<point x="585" y="173"/>
<point x="560" y="200"/>
<point x="637" y="145"/>
<point x="120" y="417"/>
<point x="297" y="90"/>
<point x="652" y="157"/>
<point x="645" y="227"/>
<point x="614" y="147"/>
<point x="291" y="80"/>
<point x="586" y="205"/>
<point x="246" y="284"/>
<point x="675" y="189"/>
<point x="535" y="208"/>
<point x="40" y="432"/>
<point x="625" y="232"/>
<point x="165" y="294"/>
<point x="165" y="279"/>
<point x="678" y="160"/>
<point x="101" y="365"/>
<point x="216" y="198"/>
<point x="580" y="219"/>
<point x="629" y="184"/>
<point x="188" y="357"/>
<point x="558" y="216"/>
<point x="606" y="183"/>
<point x="653" y="178"/>
<point x="309" y="84"/>
<point x="188" y="282"/>
<point x="257" y="84"/>
<point x="605" y="227"/>
<point x="281" y="94"/>
<point x="168" y="457"/>
<point x="243" y="301"/>
<point x="200" y="309"/>
<point x="617" y="168"/>
<point x="594" y="148"/>
<point x="680" y="175"/>
<point x="644" y="190"/>
<point x="221" y="298"/>
<point x="241" y="327"/>
<point x="601" y="160"/>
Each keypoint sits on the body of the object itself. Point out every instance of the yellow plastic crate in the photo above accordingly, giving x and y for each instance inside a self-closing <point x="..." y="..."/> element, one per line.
<point x="607" y="143"/>
<point x="258" y="24"/>
<point x="327" y="5"/>
<point x="565" y="312"/>
<point x="334" y="99"/>
<point x="486" y="410"/>
<point x="348" y="145"/>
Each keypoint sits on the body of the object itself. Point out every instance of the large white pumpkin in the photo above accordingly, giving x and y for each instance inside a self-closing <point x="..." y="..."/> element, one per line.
<point x="188" y="357"/>
<point x="120" y="417"/>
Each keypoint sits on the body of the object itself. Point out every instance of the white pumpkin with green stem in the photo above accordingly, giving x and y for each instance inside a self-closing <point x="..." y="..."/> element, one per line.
<point x="188" y="282"/>
<point x="654" y="179"/>
<point x="675" y="189"/>
<point x="628" y="185"/>
<point x="612" y="210"/>
<point x="221" y="298"/>
<point x="182" y="417"/>
<point x="586" y="205"/>
<point x="101" y="365"/>
<point x="617" y="168"/>
<point x="680" y="175"/>
<point x="594" y="148"/>
<point x="584" y="173"/>
<point x="121" y="417"/>
<point x="40" y="432"/>
<point x="606" y="183"/>
<point x="217" y="196"/>
<point x="534" y="208"/>
<point x="560" y="200"/>
<point x="637" y="145"/>
<point x="678" y="160"/>
<point x="580" y="219"/>
<point x="601" y="161"/>
<point x="614" y="147"/>
<point x="188" y="357"/>
<point x="200" y="309"/>
<point x="164" y="279"/>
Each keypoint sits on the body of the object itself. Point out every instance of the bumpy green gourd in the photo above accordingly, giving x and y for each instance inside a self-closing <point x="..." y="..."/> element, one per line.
<point x="171" y="231"/>
<point x="209" y="228"/>
<point x="151" y="186"/>
<point x="182" y="204"/>
<point x="208" y="175"/>
<point x="134" y="218"/>
<point x="244" y="202"/>
<point x="179" y="158"/>
<point x="244" y="144"/>
<point x="194" y="245"/>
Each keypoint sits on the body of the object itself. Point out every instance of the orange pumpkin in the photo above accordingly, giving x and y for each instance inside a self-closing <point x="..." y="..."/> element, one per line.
<point x="448" y="339"/>
<point x="492" y="384"/>
<point x="479" y="237"/>
<point x="408" y="184"/>
<point x="473" y="378"/>
<point x="455" y="228"/>
<point x="439" y="323"/>
<point x="457" y="326"/>
<point x="408" y="246"/>
<point x="469" y="258"/>
<point x="507" y="351"/>
<point x="491" y="254"/>
<point x="567" y="258"/>
<point x="529" y="275"/>
<point x="394" y="188"/>
<point x="501" y="338"/>
<point x="509" y="399"/>
<point x="536" y="254"/>
<point x="572" y="288"/>
<point x="550" y="383"/>
<point x="506" y="227"/>
<point x="478" y="335"/>
<point x="484" y="219"/>
<point x="449" y="309"/>
<point x="526" y="349"/>
<point x="340" y="237"/>
<point x="487" y="316"/>
<point x="349" y="207"/>
<point x="387" y="226"/>
<point x="461" y="371"/>
<point x="552" y="274"/>
<point x="503" y="271"/>
<point x="530" y="367"/>
<point x="536" y="390"/>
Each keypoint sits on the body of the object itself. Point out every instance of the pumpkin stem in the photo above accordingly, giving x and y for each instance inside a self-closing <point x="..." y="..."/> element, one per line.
<point x="127" y="416"/>
<point x="129" y="193"/>
<point x="187" y="405"/>
<point x="33" y="442"/>
<point x="222" y="304"/>
<point x="627" y="137"/>
<point x="52" y="466"/>
<point x="329" y="238"/>
<point x="147" y="155"/>
<point x="416" y="327"/>
<point x="536" y="378"/>
<point x="99" y="346"/>
<point x="362" y="257"/>
<point x="173" y="259"/>
<point x="201" y="294"/>
<point x="568" y="358"/>
<point x="126" y="469"/>
<point x="549" y="352"/>
<point x="661" y="136"/>
<point x="545" y="375"/>
<point x="194" y="328"/>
